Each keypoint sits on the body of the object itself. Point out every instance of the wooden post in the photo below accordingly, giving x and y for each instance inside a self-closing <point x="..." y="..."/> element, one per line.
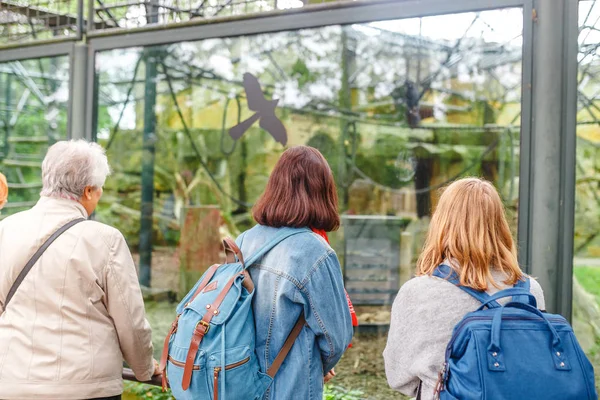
<point x="406" y="255"/>
<point x="200" y="244"/>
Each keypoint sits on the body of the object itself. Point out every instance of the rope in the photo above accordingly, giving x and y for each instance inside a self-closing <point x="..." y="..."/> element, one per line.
<point x="224" y="121"/>
<point x="193" y="144"/>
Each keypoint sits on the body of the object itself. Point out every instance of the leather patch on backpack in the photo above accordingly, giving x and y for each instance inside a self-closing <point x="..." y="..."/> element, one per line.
<point x="211" y="287"/>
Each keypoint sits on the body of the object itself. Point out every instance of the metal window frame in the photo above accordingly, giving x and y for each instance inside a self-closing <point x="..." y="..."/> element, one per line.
<point x="38" y="51"/>
<point x="312" y="16"/>
<point x="546" y="229"/>
<point x="569" y="160"/>
<point x="363" y="11"/>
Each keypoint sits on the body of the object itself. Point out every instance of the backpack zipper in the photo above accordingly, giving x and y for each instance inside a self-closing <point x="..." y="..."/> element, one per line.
<point x="217" y="373"/>
<point x="182" y="365"/>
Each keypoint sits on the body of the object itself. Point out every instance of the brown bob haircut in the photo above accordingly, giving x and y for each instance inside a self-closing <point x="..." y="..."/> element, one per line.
<point x="300" y="193"/>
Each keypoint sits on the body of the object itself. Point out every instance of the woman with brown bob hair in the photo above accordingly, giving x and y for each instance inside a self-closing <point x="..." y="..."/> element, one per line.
<point x="470" y="235"/>
<point x="301" y="275"/>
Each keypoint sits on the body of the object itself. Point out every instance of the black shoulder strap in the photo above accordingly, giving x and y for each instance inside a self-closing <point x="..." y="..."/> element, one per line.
<point x="36" y="256"/>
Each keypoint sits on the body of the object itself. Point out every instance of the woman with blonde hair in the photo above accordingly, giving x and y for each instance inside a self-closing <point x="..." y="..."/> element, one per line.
<point x="470" y="239"/>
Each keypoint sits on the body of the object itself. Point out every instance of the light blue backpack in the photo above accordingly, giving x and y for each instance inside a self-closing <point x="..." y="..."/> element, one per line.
<point x="513" y="352"/>
<point x="209" y="352"/>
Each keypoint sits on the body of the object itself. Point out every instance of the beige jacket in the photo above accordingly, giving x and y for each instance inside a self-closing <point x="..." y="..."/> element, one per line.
<point x="78" y="313"/>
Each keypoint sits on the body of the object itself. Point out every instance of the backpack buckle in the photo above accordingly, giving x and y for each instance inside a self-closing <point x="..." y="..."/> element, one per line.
<point x="205" y="325"/>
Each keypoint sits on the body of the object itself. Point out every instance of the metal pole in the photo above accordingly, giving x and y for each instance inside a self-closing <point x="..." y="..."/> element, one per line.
<point x="90" y="16"/>
<point x="80" y="19"/>
<point x="552" y="152"/>
<point x="148" y="156"/>
<point x="149" y="149"/>
<point x="345" y="104"/>
<point x="78" y="91"/>
<point x="8" y="105"/>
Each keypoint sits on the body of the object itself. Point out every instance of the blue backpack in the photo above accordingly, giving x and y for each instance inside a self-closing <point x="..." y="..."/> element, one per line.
<point x="513" y="351"/>
<point x="209" y="351"/>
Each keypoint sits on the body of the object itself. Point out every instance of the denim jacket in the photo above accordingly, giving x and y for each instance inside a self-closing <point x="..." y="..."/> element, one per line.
<point x="302" y="273"/>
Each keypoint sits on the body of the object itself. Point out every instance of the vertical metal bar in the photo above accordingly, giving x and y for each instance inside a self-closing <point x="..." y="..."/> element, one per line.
<point x="70" y="99"/>
<point x="148" y="156"/>
<point x="568" y="164"/>
<point x="80" y="20"/>
<point x="91" y="84"/>
<point x="523" y="235"/>
<point x="552" y="151"/>
<point x="345" y="105"/>
<point x="78" y="91"/>
<point x="7" y="104"/>
<point x="90" y="16"/>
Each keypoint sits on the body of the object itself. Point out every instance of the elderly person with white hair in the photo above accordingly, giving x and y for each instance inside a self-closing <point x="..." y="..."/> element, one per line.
<point x="71" y="309"/>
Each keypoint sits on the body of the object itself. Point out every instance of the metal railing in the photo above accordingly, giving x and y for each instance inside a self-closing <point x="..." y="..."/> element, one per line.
<point x="128" y="375"/>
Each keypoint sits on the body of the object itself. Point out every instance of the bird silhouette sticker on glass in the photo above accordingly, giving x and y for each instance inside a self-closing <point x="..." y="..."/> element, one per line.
<point x="264" y="112"/>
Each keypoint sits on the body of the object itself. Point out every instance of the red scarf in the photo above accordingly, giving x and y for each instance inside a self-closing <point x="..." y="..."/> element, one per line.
<point x="323" y="234"/>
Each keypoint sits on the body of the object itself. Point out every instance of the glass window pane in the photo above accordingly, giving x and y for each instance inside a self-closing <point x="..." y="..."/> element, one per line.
<point x="586" y="279"/>
<point x="32" y="20"/>
<point x="111" y="14"/>
<point x="34" y="98"/>
<point x="398" y="108"/>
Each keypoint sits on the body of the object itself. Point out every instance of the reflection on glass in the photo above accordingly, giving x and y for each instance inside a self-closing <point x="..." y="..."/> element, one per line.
<point x="33" y="115"/>
<point x="398" y="108"/>
<point x="586" y="280"/>
<point x="111" y="14"/>
<point x="37" y="20"/>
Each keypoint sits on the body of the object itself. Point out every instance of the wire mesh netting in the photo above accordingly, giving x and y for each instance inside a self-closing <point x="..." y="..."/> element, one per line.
<point x="33" y="115"/>
<point x="37" y="19"/>
<point x="30" y="20"/>
<point x="587" y="220"/>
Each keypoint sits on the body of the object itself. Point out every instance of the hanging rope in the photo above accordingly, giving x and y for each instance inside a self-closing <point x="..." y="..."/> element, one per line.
<point x="224" y="122"/>
<point x="193" y="144"/>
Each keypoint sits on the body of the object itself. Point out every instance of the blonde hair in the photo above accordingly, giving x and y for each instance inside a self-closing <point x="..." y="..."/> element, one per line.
<point x="470" y="231"/>
<point x="3" y="190"/>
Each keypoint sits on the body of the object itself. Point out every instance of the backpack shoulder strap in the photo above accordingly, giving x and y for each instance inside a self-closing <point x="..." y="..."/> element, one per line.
<point x="446" y="272"/>
<point x="287" y="346"/>
<point x="522" y="284"/>
<point x="278" y="238"/>
<point x="36" y="257"/>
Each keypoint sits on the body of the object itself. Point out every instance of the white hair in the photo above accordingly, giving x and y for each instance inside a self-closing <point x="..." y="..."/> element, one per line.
<point x="70" y="166"/>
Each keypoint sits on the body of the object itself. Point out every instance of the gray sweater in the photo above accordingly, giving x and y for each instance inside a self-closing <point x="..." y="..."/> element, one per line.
<point x="423" y="317"/>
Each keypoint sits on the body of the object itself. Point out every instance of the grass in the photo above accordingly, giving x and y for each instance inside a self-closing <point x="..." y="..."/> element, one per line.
<point x="140" y="391"/>
<point x="589" y="277"/>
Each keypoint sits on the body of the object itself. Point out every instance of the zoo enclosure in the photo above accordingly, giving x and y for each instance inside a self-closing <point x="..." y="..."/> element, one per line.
<point x="65" y="43"/>
<point x="400" y="96"/>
